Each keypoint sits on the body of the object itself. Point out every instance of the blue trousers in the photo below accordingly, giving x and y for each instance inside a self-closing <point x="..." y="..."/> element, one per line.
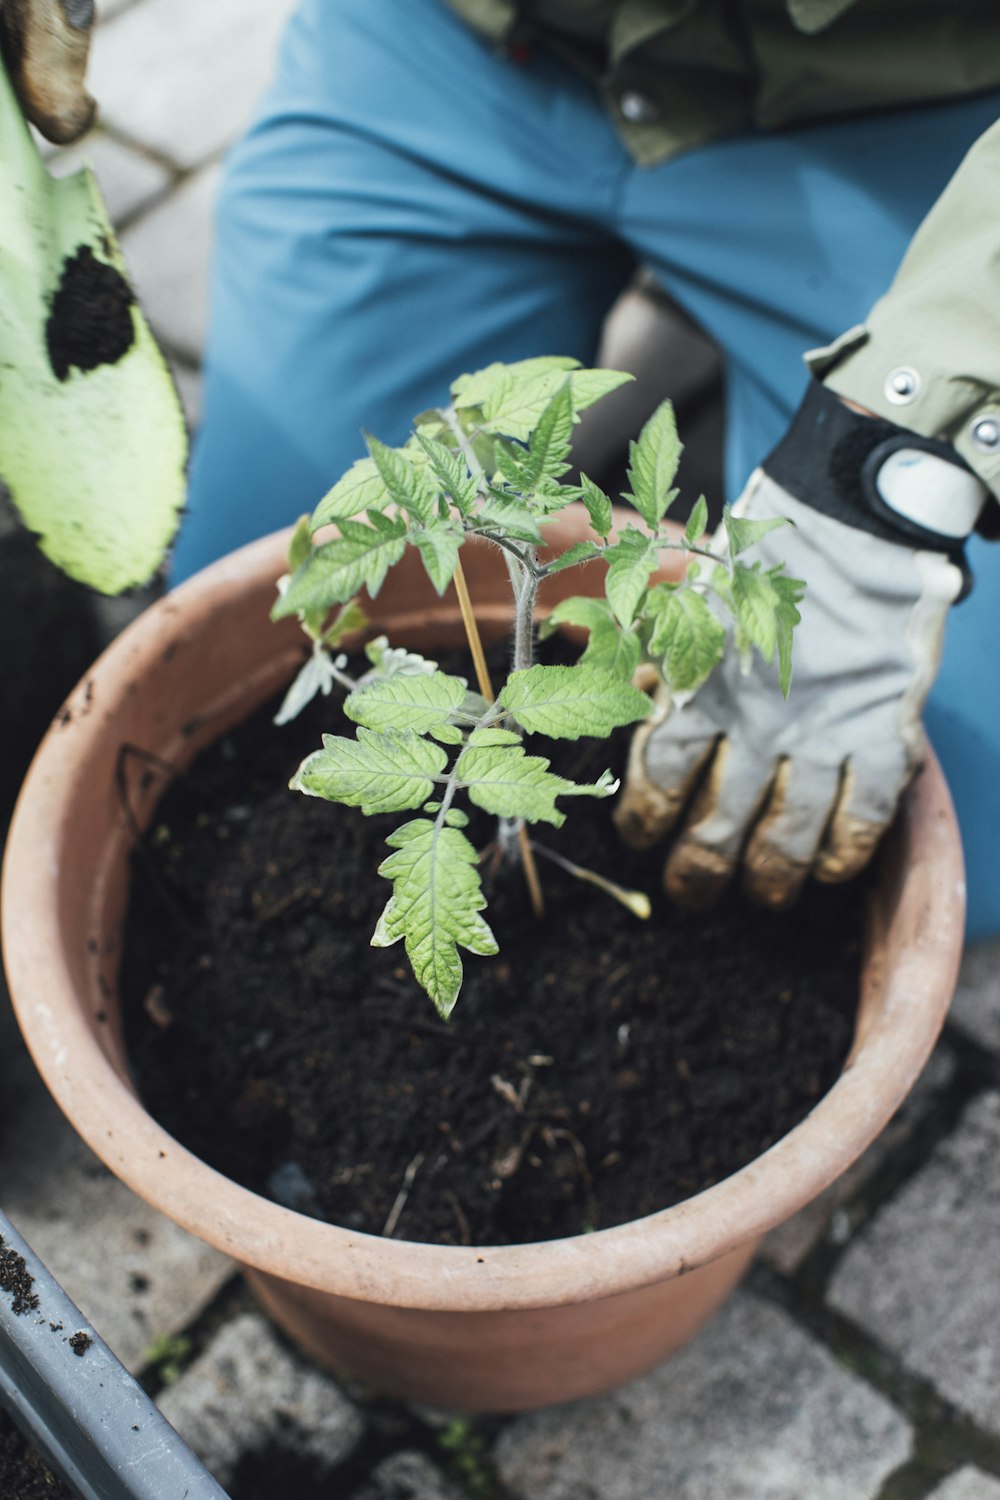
<point x="408" y="205"/>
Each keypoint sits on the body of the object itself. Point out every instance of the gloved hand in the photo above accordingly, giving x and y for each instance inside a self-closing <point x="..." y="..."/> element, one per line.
<point x="44" y="45"/>
<point x="807" y="785"/>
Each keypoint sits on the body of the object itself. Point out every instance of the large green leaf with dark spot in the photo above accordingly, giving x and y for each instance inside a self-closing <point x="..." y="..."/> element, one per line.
<point x="92" y="438"/>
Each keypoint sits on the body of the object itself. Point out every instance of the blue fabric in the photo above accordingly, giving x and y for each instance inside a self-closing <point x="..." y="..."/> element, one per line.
<point x="409" y="205"/>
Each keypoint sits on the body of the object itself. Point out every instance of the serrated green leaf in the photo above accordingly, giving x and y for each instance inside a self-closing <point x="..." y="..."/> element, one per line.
<point x="687" y="638"/>
<point x="697" y="521"/>
<point x="515" y="468"/>
<point x="451" y="472"/>
<point x="613" y="650"/>
<point x="579" y="609"/>
<point x="387" y="660"/>
<point x="515" y="403"/>
<point x="653" y="464"/>
<point x="502" y="513"/>
<point x="580" y="552"/>
<point x="591" y="386"/>
<point x="598" y="504"/>
<point x="567" y="702"/>
<point x="406" y="701"/>
<point x="361" y="488"/>
<point x="438" y="545"/>
<point x="385" y="771"/>
<point x="409" y="485"/>
<point x="551" y="439"/>
<point x="491" y="734"/>
<point x="765" y="608"/>
<point x="314" y="676"/>
<point x="743" y="533"/>
<point x="610" y="647"/>
<point x="347" y="620"/>
<point x="447" y="734"/>
<point x="300" y="545"/>
<point x="631" y="561"/>
<point x="475" y="390"/>
<point x="335" y="571"/>
<point x="435" y="906"/>
<point x="505" y="781"/>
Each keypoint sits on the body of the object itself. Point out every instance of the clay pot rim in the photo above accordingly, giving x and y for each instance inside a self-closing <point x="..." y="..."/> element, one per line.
<point x="405" y="1273"/>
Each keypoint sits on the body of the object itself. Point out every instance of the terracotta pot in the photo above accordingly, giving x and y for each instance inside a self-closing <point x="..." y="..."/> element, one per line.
<point x="482" y="1329"/>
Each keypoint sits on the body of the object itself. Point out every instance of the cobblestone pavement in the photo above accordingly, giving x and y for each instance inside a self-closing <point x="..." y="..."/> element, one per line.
<point x="861" y="1360"/>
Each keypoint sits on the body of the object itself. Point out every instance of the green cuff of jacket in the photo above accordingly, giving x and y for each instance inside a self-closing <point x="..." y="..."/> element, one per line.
<point x="901" y="379"/>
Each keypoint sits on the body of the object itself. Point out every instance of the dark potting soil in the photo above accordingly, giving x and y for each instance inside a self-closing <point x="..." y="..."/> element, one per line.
<point x="23" y="1474"/>
<point x="599" y="1069"/>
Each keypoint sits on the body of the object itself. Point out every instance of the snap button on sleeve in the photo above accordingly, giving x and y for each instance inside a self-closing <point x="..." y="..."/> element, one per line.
<point x="902" y="386"/>
<point x="986" y="435"/>
<point x="638" y="108"/>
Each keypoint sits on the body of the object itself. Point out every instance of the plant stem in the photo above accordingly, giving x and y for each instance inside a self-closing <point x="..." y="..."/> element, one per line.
<point x="525" y="584"/>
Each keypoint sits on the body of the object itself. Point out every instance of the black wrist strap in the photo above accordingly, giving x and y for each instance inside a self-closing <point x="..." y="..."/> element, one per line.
<point x="830" y="457"/>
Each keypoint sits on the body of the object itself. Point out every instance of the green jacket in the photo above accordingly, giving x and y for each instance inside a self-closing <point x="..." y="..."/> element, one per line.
<point x="676" y="73"/>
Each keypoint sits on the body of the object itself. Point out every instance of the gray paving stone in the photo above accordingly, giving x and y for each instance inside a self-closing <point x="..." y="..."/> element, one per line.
<point x="132" y="1272"/>
<point x="182" y="76"/>
<point x="924" y="1276"/>
<point x="127" y="179"/>
<point x="976" y="1007"/>
<point x="167" y="252"/>
<point x="967" y="1484"/>
<point x="754" y="1409"/>
<point x="246" y="1393"/>
<point x="407" y="1476"/>
<point x="788" y="1245"/>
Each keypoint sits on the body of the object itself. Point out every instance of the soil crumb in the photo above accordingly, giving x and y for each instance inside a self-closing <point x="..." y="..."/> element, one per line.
<point x="90" y="320"/>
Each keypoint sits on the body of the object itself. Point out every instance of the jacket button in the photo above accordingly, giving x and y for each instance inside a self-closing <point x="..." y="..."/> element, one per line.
<point x="638" y="109"/>
<point x="986" y="435"/>
<point x="902" y="386"/>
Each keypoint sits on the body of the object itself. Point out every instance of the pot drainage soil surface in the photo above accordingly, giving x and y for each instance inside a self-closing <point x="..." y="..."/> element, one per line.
<point x="23" y="1475"/>
<point x="598" y="1070"/>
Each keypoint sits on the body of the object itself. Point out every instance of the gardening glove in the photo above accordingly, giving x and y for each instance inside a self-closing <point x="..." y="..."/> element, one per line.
<point x="807" y="785"/>
<point x="44" y="45"/>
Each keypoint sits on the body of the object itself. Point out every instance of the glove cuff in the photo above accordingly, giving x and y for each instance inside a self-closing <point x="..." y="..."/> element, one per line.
<point x="830" y="459"/>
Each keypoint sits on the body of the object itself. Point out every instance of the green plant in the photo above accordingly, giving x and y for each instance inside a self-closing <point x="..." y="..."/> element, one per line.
<point x="493" y="464"/>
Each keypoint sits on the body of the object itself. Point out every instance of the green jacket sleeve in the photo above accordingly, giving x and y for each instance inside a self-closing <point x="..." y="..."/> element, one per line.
<point x="928" y="356"/>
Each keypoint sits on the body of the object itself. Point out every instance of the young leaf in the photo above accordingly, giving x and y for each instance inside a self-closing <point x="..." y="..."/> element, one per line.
<point x="567" y="702"/>
<point x="438" y="545"/>
<point x="653" y="464"/>
<point x="387" y="660"/>
<point x="314" y="676"/>
<point x="631" y="561"/>
<point x="476" y="390"/>
<point x="347" y="619"/>
<point x="591" y="386"/>
<point x="598" y="505"/>
<point x="500" y="512"/>
<point x="451" y="472"/>
<point x="406" y="701"/>
<point x="378" y="772"/>
<point x="300" y="545"/>
<point x="580" y="552"/>
<point x="335" y="571"/>
<point x="697" y="522"/>
<point x="503" y="780"/>
<point x="610" y="648"/>
<point x="765" y="608"/>
<point x="362" y="488"/>
<point x="408" y="484"/>
<point x="435" y="906"/>
<point x="686" y="636"/>
<point x="743" y="533"/>
<point x="551" y="439"/>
